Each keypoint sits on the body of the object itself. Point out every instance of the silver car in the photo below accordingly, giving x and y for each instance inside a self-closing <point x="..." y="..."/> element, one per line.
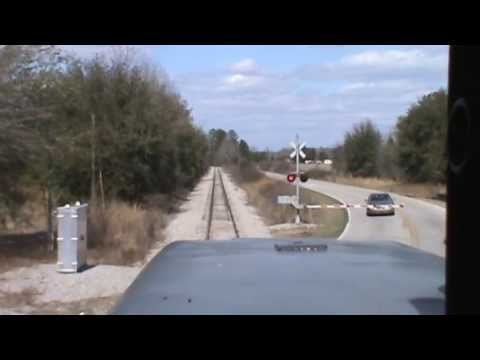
<point x="380" y="204"/>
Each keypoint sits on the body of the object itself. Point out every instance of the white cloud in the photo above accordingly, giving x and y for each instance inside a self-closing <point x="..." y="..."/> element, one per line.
<point x="393" y="59"/>
<point x="320" y="101"/>
<point x="236" y="79"/>
<point x="246" y="66"/>
<point x="237" y="82"/>
<point x="385" y="88"/>
<point x="375" y="65"/>
<point x="387" y="58"/>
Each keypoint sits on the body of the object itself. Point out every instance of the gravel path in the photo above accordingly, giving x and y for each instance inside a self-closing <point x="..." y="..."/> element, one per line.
<point x="191" y="222"/>
<point x="249" y="223"/>
<point x="99" y="281"/>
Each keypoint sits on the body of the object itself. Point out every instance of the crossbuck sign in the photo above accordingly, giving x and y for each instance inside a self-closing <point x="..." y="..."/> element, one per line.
<point x="297" y="149"/>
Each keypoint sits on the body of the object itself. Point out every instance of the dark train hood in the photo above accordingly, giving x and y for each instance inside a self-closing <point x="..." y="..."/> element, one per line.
<point x="272" y="276"/>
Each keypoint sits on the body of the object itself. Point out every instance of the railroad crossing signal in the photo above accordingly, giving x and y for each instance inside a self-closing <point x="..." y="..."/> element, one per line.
<point x="297" y="152"/>
<point x="298" y="177"/>
<point x="297" y="149"/>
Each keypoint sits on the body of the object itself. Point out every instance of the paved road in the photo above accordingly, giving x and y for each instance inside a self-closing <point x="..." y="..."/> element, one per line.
<point x="420" y="224"/>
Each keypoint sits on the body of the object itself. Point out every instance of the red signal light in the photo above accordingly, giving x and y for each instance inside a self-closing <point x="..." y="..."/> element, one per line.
<point x="291" y="178"/>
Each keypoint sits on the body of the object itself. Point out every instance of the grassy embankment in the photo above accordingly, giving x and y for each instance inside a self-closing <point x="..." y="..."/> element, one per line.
<point x="262" y="193"/>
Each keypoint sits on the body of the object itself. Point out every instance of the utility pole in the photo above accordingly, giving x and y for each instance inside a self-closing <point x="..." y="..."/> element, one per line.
<point x="93" y="189"/>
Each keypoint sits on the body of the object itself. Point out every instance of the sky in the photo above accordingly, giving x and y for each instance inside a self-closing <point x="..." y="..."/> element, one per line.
<point x="267" y="94"/>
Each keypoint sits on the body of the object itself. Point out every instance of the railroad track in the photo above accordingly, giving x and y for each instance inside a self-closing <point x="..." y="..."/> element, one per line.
<point x="221" y="223"/>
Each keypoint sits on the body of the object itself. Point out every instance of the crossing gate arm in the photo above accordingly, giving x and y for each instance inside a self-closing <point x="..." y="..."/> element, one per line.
<point x="348" y="206"/>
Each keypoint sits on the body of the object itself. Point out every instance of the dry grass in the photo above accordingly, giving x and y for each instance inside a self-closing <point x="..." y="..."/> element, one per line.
<point x="123" y="234"/>
<point x="280" y="166"/>
<point x="263" y="195"/>
<point x="29" y="217"/>
<point x="321" y="174"/>
<point x="244" y="172"/>
<point x="23" y="239"/>
<point x="426" y="191"/>
<point x="24" y="250"/>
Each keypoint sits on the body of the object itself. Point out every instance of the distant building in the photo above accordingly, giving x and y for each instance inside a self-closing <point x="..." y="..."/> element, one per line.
<point x="328" y="162"/>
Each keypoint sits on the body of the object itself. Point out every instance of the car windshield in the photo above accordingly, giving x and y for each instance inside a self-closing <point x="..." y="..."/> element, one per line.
<point x="382" y="199"/>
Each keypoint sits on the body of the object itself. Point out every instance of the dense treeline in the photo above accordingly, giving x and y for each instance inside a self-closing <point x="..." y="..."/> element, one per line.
<point x="421" y="139"/>
<point x="415" y="151"/>
<point x="226" y="149"/>
<point x="359" y="155"/>
<point x="111" y="127"/>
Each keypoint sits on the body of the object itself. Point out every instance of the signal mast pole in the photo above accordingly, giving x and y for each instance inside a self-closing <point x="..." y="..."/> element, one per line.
<point x="297" y="144"/>
<point x="297" y="152"/>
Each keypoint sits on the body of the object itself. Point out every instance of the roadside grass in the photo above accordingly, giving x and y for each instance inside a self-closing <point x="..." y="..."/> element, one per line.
<point x="321" y="174"/>
<point x="425" y="191"/>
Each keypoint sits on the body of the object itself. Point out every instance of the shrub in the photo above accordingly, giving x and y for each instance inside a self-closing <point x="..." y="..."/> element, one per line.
<point x="122" y="234"/>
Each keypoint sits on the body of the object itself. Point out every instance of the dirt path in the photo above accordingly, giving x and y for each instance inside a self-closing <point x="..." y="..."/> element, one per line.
<point x="191" y="222"/>
<point x="40" y="289"/>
